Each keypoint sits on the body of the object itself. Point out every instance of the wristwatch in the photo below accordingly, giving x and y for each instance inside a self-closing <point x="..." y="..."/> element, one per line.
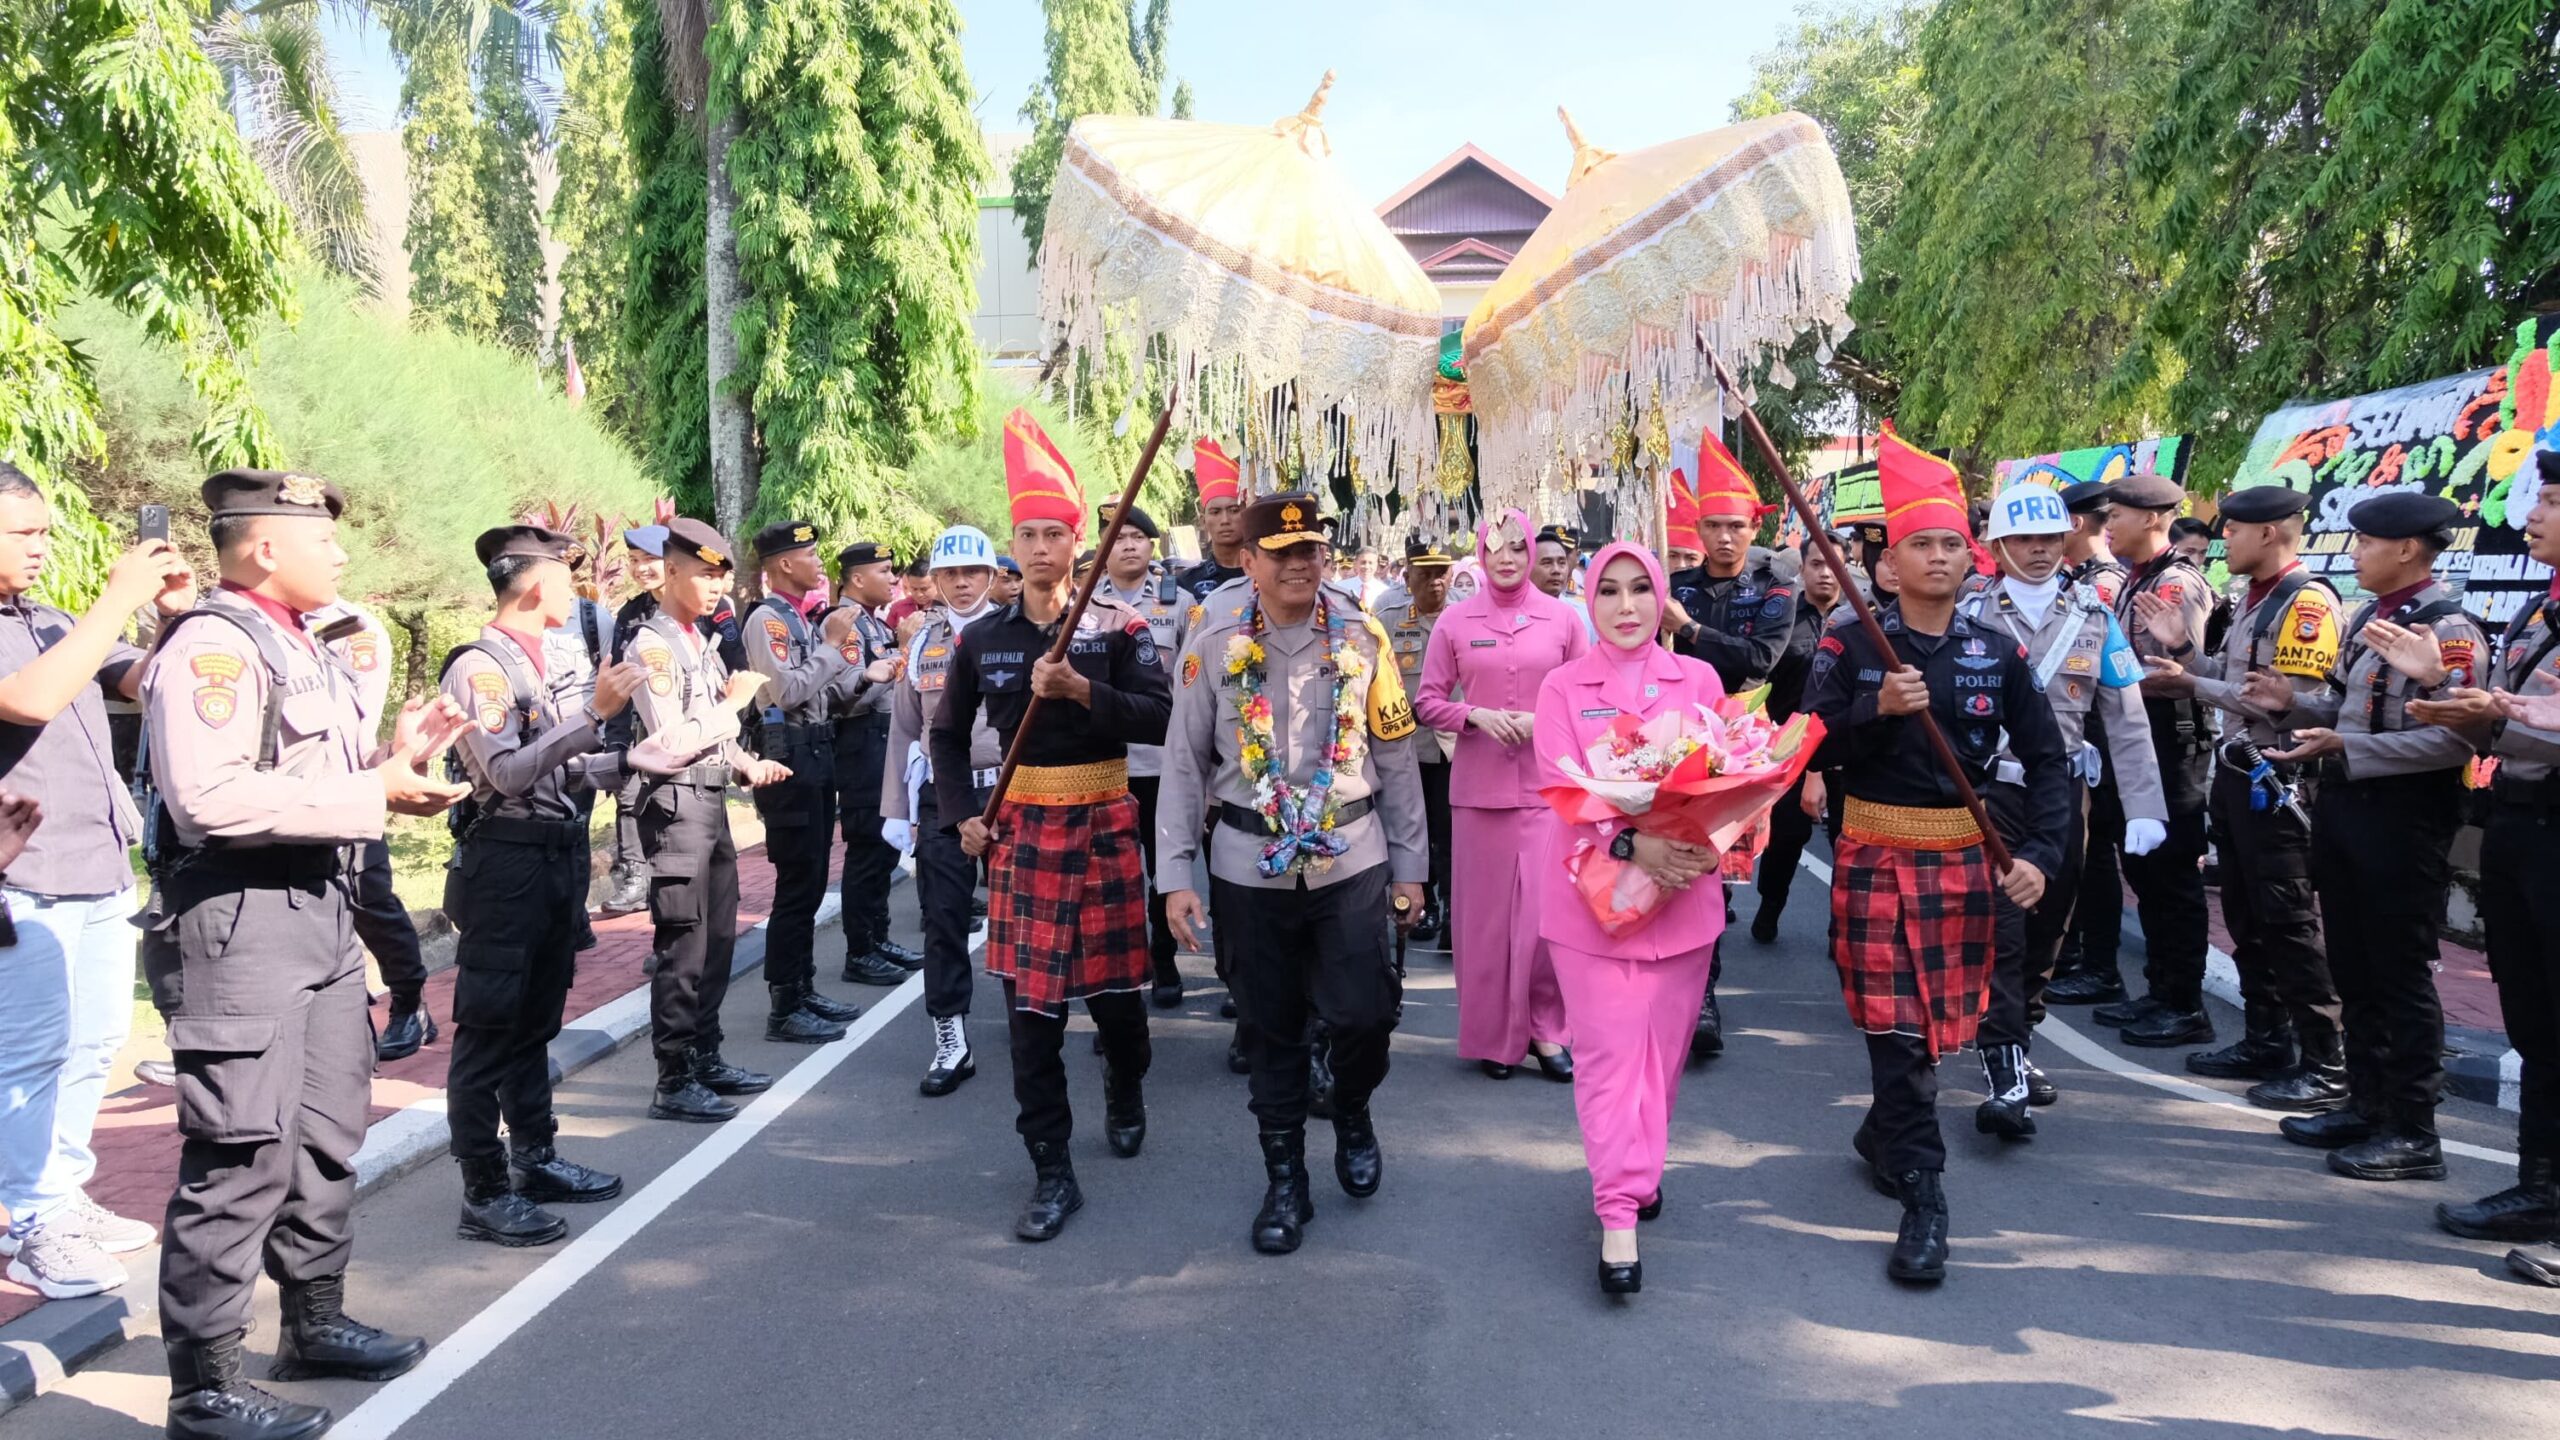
<point x="1622" y="846"/>
<point x="1686" y="633"/>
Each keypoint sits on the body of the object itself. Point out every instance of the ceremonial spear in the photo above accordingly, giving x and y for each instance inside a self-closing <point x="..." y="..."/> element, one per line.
<point x="1084" y="597"/>
<point x="1820" y="535"/>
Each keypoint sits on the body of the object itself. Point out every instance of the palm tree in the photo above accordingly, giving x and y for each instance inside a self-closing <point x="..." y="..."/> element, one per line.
<point x="278" y="67"/>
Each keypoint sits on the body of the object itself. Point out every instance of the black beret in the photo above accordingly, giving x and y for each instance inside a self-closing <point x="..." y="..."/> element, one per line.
<point x="2145" y="491"/>
<point x="692" y="537"/>
<point x="783" y="537"/>
<point x="861" y="553"/>
<point x="2262" y="504"/>
<point x="1418" y="551"/>
<point x="1564" y="535"/>
<point x="271" y="492"/>
<point x="2549" y="460"/>
<point x="531" y="541"/>
<point x="2087" y="497"/>
<point x="1276" y="522"/>
<point x="2404" y="515"/>
<point x="1139" y="520"/>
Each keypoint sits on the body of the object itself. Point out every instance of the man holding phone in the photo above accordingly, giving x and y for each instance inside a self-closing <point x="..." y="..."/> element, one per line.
<point x="68" y="973"/>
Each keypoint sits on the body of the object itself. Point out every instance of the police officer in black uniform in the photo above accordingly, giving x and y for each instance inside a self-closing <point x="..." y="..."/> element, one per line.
<point x="795" y="726"/>
<point x="520" y="882"/>
<point x="866" y="578"/>
<point x="1737" y="612"/>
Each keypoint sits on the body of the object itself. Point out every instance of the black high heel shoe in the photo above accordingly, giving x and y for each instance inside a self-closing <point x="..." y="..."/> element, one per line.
<point x="1625" y="1279"/>
<point x="1651" y="1209"/>
<point x="1495" y="1069"/>
<point x="1557" y="1067"/>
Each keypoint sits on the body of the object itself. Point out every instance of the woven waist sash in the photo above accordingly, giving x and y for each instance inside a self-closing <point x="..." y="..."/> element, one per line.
<point x="1088" y="784"/>
<point x="1910" y="826"/>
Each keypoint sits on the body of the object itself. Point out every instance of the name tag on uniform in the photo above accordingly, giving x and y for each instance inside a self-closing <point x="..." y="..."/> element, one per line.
<point x="1483" y="644"/>
<point x="1602" y="712"/>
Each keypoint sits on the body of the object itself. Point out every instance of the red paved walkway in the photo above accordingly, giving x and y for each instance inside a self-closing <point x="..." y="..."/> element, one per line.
<point x="137" y="1137"/>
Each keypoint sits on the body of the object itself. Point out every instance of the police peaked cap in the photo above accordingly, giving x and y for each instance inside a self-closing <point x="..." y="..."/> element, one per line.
<point x="2087" y="497"/>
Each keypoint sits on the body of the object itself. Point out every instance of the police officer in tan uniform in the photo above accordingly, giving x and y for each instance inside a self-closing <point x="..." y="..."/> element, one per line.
<point x="2287" y="626"/>
<point x="1409" y="611"/>
<point x="2382" y="832"/>
<point x="865" y="579"/>
<point x="689" y="708"/>
<point x="520" y="880"/>
<point x="1127" y="577"/>
<point x="1304" y="904"/>
<point x="267" y="786"/>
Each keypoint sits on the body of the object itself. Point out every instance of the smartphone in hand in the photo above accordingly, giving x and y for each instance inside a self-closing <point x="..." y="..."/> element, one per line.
<point x="154" y="524"/>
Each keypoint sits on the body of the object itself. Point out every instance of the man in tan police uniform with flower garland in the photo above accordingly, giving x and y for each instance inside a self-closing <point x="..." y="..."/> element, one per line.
<point x="1290" y="719"/>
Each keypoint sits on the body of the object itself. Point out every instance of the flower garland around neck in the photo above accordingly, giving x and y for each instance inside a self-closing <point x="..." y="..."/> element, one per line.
<point x="1301" y="820"/>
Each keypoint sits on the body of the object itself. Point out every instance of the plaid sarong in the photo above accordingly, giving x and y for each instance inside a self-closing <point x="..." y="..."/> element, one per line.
<point x="1067" y="903"/>
<point x="1911" y="931"/>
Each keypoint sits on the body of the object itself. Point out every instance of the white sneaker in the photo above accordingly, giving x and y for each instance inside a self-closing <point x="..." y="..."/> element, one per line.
<point x="59" y="1263"/>
<point x="116" y="1234"/>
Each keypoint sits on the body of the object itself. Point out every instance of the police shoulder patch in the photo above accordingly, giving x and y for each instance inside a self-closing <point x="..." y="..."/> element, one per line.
<point x="1190" y="669"/>
<point x="660" y="662"/>
<point x="489" y="700"/>
<point x="2460" y="659"/>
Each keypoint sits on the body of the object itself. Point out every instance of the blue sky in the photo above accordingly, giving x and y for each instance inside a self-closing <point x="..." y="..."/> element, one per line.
<point x="1416" y="79"/>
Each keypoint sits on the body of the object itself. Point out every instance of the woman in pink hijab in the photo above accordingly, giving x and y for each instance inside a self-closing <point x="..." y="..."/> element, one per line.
<point x="1494" y="647"/>
<point x="1633" y="999"/>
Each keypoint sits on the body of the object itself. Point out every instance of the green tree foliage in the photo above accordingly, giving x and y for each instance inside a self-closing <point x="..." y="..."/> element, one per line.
<point x="122" y="176"/>
<point x="503" y="176"/>
<point x="277" y="65"/>
<point x="959" y="480"/>
<point x="2014" y="288"/>
<point x="455" y="277"/>
<point x="665" y="311"/>
<point x="856" y="169"/>
<point x="1105" y="58"/>
<point x="591" y="211"/>
<point x="2359" y="194"/>
<point x="1855" y="68"/>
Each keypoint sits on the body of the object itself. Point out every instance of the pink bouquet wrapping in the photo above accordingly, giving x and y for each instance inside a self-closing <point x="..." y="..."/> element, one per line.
<point x="1697" y="776"/>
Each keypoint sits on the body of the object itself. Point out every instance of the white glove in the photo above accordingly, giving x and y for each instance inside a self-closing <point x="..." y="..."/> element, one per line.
<point x="2141" y="837"/>
<point x="900" y="834"/>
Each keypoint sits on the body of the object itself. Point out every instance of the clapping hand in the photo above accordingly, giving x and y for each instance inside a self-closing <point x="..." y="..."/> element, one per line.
<point x="424" y="730"/>
<point x="2267" y="693"/>
<point x="2472" y="709"/>
<point x="2167" y="678"/>
<point x="2409" y="649"/>
<point x="2162" y="621"/>
<point x="2309" y="745"/>
<point x="616" y="683"/>
<point x="742" y="688"/>
<point x="2539" y="712"/>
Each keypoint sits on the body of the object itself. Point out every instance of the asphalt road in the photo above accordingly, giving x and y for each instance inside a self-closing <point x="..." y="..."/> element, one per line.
<point x="839" y="1261"/>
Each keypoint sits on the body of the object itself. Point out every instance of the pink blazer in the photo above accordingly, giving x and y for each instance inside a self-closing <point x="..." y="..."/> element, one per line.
<point x="1497" y="658"/>
<point x="1575" y="707"/>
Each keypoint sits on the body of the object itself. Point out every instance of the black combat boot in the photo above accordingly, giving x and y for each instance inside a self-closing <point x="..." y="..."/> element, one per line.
<point x="320" y="1339"/>
<point x="2004" y="1113"/>
<point x="898" y="955"/>
<point x="682" y="1095"/>
<point x="2344" y="1126"/>
<point x="2526" y="1210"/>
<point x="2404" y="1148"/>
<point x="2170" y="1028"/>
<point x="1124" y="1112"/>
<point x="789" y="1024"/>
<point x="834" y="1012"/>
<point x="2041" y="1091"/>
<point x="2121" y="1012"/>
<point x="544" y="1178"/>
<point x="493" y="1211"/>
<point x="1320" y="1080"/>
<point x="1920" y="1249"/>
<point x="1287" y="1205"/>
<point x="1709" y="1039"/>
<point x="405" y="1030"/>
<point x="722" y="1078"/>
<point x="2318" y="1083"/>
<point x="1357" y="1161"/>
<point x="2264" y="1050"/>
<point x="873" y="968"/>
<point x="209" y="1401"/>
<point x="1054" y="1195"/>
<point x="2092" y="985"/>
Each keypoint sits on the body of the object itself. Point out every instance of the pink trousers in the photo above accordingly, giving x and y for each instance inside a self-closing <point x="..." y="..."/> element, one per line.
<point x="1507" y="993"/>
<point x="1632" y="1021"/>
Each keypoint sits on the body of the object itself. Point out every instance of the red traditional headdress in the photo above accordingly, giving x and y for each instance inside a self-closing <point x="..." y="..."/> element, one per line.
<point x="1724" y="490"/>
<point x="1921" y="491"/>
<point x="1039" y="480"/>
<point x="1214" y="472"/>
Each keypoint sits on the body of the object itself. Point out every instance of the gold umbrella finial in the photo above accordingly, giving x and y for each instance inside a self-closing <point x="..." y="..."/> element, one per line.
<point x="1587" y="157"/>
<point x="1307" y="126"/>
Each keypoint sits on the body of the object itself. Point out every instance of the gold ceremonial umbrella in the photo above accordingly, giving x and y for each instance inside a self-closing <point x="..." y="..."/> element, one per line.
<point x="1243" y="251"/>
<point x="1735" y="241"/>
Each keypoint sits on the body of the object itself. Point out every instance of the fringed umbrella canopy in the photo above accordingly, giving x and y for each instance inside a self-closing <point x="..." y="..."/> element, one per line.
<point x="1246" y="253"/>
<point x="1738" y="240"/>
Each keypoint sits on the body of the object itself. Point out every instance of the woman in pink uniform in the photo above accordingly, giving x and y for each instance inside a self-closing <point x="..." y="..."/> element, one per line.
<point x="1633" y="999"/>
<point x="1494" y="647"/>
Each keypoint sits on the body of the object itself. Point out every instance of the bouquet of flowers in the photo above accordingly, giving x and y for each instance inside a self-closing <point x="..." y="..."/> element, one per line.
<point x="1699" y="776"/>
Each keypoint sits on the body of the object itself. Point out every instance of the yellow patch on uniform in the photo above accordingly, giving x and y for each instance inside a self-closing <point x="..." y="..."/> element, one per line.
<point x="2307" y="647"/>
<point x="489" y="700"/>
<point x="362" y="653"/>
<point x="777" y="638"/>
<point x="2461" y="661"/>
<point x="2080" y="664"/>
<point x="1194" y="614"/>
<point x="1190" y="670"/>
<point x="223" y="669"/>
<point x="216" y="703"/>
<point x="661" y="663"/>
<point x="1390" y="712"/>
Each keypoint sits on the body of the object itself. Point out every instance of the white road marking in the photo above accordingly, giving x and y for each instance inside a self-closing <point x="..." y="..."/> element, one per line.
<point x="2089" y="1052"/>
<point x="397" y="1403"/>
